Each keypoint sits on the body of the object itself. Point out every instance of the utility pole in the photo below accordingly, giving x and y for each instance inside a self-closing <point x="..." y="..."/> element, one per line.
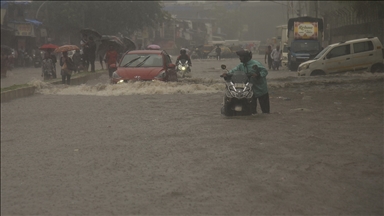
<point x="299" y="10"/>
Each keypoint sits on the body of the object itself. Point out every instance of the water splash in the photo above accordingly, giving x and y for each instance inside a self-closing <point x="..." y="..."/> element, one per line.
<point x="202" y="85"/>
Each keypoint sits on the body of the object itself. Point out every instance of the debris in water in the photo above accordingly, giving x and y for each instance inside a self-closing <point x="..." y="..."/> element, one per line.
<point x="284" y="98"/>
<point x="301" y="109"/>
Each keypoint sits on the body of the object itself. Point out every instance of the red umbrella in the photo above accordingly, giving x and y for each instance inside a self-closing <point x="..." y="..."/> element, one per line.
<point x="66" y="48"/>
<point x="153" y="47"/>
<point x="48" y="46"/>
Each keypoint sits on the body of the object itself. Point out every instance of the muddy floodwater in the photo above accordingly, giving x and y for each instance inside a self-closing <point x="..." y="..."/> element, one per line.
<point x="155" y="148"/>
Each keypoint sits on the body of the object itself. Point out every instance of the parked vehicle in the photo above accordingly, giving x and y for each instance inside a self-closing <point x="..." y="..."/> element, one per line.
<point x="304" y="40"/>
<point x="183" y="67"/>
<point x="353" y="55"/>
<point x="226" y="52"/>
<point x="238" y="94"/>
<point x="145" y="65"/>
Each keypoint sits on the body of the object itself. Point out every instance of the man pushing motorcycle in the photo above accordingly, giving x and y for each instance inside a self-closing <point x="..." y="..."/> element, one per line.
<point x="259" y="81"/>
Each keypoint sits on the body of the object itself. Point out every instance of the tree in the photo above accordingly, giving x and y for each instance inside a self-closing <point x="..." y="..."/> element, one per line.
<point x="107" y="17"/>
<point x="228" y="21"/>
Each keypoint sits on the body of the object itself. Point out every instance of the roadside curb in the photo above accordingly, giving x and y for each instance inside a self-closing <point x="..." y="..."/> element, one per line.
<point x="7" y="96"/>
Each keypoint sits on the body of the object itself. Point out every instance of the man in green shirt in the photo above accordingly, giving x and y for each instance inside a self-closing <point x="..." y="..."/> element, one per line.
<point x="259" y="81"/>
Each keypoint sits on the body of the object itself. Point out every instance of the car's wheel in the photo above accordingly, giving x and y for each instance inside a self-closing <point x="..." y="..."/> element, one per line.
<point x="317" y="73"/>
<point x="377" y="68"/>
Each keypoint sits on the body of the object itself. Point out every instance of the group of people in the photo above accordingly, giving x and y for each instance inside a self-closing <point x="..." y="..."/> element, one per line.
<point x="274" y="57"/>
<point x="78" y="62"/>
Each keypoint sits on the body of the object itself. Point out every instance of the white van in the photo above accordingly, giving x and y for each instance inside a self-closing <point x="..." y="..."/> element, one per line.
<point x="365" y="54"/>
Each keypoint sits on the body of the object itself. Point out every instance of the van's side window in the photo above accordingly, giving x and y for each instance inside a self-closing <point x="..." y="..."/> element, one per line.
<point x="363" y="46"/>
<point x="339" y="51"/>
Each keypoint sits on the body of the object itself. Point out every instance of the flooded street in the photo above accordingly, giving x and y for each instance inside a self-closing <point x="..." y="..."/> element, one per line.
<point x="155" y="148"/>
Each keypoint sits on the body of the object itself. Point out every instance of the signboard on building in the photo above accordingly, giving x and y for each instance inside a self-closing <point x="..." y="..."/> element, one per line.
<point x="24" y="29"/>
<point x="305" y="30"/>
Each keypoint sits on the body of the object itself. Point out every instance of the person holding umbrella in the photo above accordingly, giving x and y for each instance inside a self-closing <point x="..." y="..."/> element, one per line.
<point x="49" y="48"/>
<point x="67" y="66"/>
<point x="66" y="63"/>
<point x="90" y="54"/>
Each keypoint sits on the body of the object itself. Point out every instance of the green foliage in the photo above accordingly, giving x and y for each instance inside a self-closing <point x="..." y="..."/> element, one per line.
<point x="228" y="21"/>
<point x="107" y="17"/>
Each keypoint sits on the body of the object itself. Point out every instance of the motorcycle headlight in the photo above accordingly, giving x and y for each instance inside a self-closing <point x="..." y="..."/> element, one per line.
<point x="179" y="67"/>
<point x="182" y="68"/>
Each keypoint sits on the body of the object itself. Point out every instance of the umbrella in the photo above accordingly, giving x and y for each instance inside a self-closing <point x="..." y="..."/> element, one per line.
<point x="108" y="40"/>
<point x="129" y="44"/>
<point x="48" y="47"/>
<point x="119" y="47"/>
<point x="110" y="37"/>
<point x="66" y="48"/>
<point x="6" y="50"/>
<point x="90" y="32"/>
<point x="153" y="47"/>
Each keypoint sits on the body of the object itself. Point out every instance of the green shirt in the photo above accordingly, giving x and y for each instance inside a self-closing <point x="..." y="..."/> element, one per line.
<point x="259" y="84"/>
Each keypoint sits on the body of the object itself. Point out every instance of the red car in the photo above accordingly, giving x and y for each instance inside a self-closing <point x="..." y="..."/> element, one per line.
<point x="145" y="65"/>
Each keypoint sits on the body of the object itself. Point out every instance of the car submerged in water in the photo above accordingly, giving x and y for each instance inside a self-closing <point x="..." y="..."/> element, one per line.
<point x="145" y="65"/>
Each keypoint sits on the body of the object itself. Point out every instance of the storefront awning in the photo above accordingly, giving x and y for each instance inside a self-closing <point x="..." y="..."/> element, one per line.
<point x="7" y="28"/>
<point x="34" y="22"/>
<point x="4" y="4"/>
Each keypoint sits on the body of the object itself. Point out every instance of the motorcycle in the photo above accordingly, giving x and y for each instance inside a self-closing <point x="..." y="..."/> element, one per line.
<point x="238" y="99"/>
<point x="183" y="67"/>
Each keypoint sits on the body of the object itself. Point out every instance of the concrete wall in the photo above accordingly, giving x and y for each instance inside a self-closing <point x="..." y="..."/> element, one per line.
<point x="29" y="91"/>
<point x="371" y="29"/>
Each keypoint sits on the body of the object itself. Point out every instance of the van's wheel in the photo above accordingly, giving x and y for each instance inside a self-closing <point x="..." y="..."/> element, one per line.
<point x="377" y="68"/>
<point x="317" y="73"/>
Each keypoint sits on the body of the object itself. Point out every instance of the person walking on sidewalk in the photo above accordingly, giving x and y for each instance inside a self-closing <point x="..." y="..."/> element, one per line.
<point x="67" y="66"/>
<point x="218" y="52"/>
<point x="268" y="55"/>
<point x="276" y="56"/>
<point x="111" y="59"/>
<point x="47" y="67"/>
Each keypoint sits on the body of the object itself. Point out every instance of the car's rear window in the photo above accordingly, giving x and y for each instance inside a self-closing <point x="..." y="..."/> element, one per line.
<point x="363" y="46"/>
